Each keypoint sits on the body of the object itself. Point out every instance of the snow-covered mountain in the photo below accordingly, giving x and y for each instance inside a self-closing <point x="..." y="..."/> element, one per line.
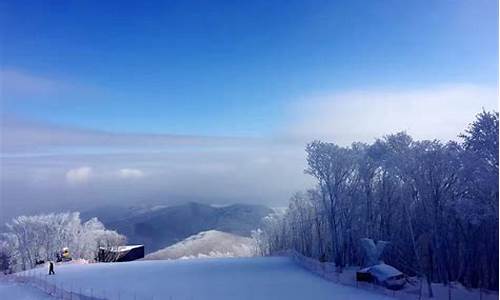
<point x="210" y="243"/>
<point x="164" y="226"/>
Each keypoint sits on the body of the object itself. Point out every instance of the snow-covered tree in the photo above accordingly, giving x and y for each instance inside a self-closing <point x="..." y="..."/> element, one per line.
<point x="30" y="239"/>
<point x="436" y="203"/>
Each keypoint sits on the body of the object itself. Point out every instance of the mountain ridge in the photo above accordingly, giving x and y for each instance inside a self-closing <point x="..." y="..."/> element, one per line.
<point x="164" y="226"/>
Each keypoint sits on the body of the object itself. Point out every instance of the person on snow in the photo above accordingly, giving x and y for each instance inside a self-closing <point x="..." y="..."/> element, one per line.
<point x="51" y="268"/>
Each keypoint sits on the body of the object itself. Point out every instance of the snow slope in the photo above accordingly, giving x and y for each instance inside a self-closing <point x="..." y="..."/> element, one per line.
<point x="210" y="243"/>
<point x="19" y="291"/>
<point x="208" y="279"/>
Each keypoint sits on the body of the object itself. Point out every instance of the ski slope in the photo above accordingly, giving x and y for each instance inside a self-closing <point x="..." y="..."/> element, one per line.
<point x="203" y="279"/>
<point x="18" y="291"/>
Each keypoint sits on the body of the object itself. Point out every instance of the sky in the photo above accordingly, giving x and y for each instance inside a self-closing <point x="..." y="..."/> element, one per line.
<point x="128" y="102"/>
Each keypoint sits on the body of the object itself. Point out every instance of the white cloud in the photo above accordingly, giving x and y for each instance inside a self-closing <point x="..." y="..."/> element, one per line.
<point x="78" y="175"/>
<point x="130" y="173"/>
<point x="439" y="112"/>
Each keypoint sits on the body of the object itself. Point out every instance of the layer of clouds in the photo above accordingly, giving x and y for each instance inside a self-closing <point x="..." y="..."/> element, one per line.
<point x="83" y="174"/>
<point x="130" y="173"/>
<point x="23" y="136"/>
<point x="440" y="112"/>
<point x="49" y="167"/>
<point x="259" y="174"/>
<point x="78" y="175"/>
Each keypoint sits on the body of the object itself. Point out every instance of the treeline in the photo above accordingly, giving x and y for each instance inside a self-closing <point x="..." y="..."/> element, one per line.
<point x="436" y="203"/>
<point x="31" y="239"/>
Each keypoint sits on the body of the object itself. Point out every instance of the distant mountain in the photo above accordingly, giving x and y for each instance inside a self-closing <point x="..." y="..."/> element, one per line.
<point x="210" y="243"/>
<point x="159" y="227"/>
<point x="112" y="213"/>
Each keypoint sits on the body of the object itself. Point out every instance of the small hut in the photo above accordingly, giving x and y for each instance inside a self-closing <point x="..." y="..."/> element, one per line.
<point x="121" y="253"/>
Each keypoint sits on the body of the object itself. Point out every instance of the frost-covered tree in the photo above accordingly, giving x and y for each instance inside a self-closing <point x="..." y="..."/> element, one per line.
<point x="4" y="257"/>
<point x="333" y="167"/>
<point x="477" y="207"/>
<point x="30" y="239"/>
<point x="436" y="203"/>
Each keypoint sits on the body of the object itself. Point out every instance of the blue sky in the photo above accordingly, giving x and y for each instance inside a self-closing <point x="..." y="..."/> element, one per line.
<point x="231" y="67"/>
<point x="106" y="102"/>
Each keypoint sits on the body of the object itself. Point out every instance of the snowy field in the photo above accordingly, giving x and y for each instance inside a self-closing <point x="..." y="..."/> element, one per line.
<point x="277" y="278"/>
<point x="210" y="279"/>
<point x="17" y="291"/>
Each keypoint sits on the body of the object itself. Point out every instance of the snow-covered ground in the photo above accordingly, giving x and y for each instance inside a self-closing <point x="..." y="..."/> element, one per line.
<point x="411" y="290"/>
<point x="210" y="243"/>
<point x="17" y="291"/>
<point x="278" y="278"/>
<point x="217" y="278"/>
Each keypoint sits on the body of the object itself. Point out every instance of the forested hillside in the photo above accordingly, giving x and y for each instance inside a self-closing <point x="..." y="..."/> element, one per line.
<point x="435" y="202"/>
<point x="166" y="226"/>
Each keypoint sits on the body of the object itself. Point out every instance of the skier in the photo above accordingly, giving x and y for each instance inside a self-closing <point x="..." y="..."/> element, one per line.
<point x="51" y="268"/>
